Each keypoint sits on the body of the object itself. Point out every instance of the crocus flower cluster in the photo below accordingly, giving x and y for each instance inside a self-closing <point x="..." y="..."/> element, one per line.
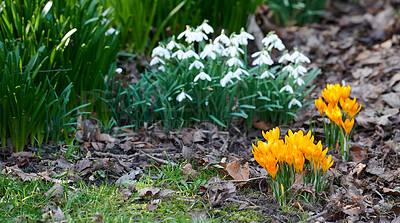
<point x="293" y="150"/>
<point x="284" y="158"/>
<point x="343" y="115"/>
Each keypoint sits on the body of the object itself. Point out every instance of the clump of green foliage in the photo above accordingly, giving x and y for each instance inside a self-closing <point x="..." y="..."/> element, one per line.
<point x="142" y="23"/>
<point x="55" y="55"/>
<point x="296" y="12"/>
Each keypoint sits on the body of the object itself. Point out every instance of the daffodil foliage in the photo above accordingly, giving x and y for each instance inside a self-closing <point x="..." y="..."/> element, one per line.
<point x="298" y="155"/>
<point x="340" y="110"/>
<point x="210" y="79"/>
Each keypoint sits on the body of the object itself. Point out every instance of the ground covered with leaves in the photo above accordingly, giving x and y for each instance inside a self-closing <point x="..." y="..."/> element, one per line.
<point x="204" y="173"/>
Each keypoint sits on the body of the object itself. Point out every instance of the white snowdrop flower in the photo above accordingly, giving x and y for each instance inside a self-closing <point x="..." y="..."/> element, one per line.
<point x="300" y="70"/>
<point x="182" y="96"/>
<point x="300" y="58"/>
<point x="223" y="39"/>
<point x="172" y="44"/>
<point x="288" y="68"/>
<point x="226" y="79"/>
<point x="218" y="48"/>
<point x="240" y="71"/>
<point x="203" y="76"/>
<point x="286" y="56"/>
<point x="256" y="54"/>
<point x="235" y="61"/>
<point x="161" y="51"/>
<point x="293" y="102"/>
<point x="234" y="41"/>
<point x="234" y="51"/>
<point x="277" y="45"/>
<point x="234" y="75"/>
<point x="186" y="33"/>
<point x="263" y="58"/>
<point x="266" y="74"/>
<point x="190" y="53"/>
<point x="162" y="68"/>
<point x="197" y="64"/>
<point x="205" y="27"/>
<point x="208" y="51"/>
<point x="178" y="54"/>
<point x="287" y="88"/>
<point x="118" y="70"/>
<point x="156" y="60"/>
<point x="110" y="31"/>
<point x="192" y="36"/>
<point x="270" y="38"/>
<point x="299" y="81"/>
<point x="197" y="36"/>
<point x="243" y="37"/>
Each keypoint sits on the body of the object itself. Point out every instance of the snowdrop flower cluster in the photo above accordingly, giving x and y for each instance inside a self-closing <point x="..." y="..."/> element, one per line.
<point x="201" y="66"/>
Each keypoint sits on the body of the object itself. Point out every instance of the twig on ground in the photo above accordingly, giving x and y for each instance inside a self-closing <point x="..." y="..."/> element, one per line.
<point x="316" y="216"/>
<point x="237" y="201"/>
<point x="239" y="181"/>
<point x="118" y="156"/>
<point x="157" y="159"/>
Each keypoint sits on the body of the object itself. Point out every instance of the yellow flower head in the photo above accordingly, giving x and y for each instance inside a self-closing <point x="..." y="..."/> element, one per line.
<point x="348" y="125"/>
<point x="332" y="93"/>
<point x="334" y="114"/>
<point x="326" y="163"/>
<point x="320" y="104"/>
<point x="350" y="107"/>
<point x="298" y="161"/>
<point x="345" y="92"/>
<point x="264" y="156"/>
<point x="271" y="135"/>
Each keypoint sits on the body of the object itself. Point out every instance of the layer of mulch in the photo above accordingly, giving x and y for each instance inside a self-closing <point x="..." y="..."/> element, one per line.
<point x="356" y="42"/>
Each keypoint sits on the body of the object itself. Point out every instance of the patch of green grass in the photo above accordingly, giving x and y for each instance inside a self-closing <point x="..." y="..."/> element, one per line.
<point x="82" y="202"/>
<point x="173" y="177"/>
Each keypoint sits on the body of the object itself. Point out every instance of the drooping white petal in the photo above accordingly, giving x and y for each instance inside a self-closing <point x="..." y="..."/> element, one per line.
<point x="156" y="60"/>
<point x="161" y="51"/>
<point x="287" y="88"/>
<point x="118" y="70"/>
<point x="223" y="39"/>
<point x="190" y="53"/>
<point x="162" y="68"/>
<point x="182" y="96"/>
<point x="178" y="54"/>
<point x="266" y="74"/>
<point x="172" y="44"/>
<point x="235" y="61"/>
<point x="197" y="64"/>
<point x="240" y="71"/>
<point x="299" y="81"/>
<point x="286" y="56"/>
<point x="226" y="79"/>
<point x="294" y="101"/>
<point x="203" y="76"/>
<point x="206" y="28"/>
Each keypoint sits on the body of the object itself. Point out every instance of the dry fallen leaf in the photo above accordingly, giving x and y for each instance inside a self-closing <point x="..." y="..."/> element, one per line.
<point x="151" y="207"/>
<point x="187" y="171"/>
<point x="198" y="136"/>
<point x="261" y="125"/>
<point x="130" y="176"/>
<point x="56" y="190"/>
<point x="147" y="191"/>
<point x="219" y="190"/>
<point x="237" y="172"/>
<point x="165" y="193"/>
<point x="357" y="154"/>
<point x="352" y="211"/>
